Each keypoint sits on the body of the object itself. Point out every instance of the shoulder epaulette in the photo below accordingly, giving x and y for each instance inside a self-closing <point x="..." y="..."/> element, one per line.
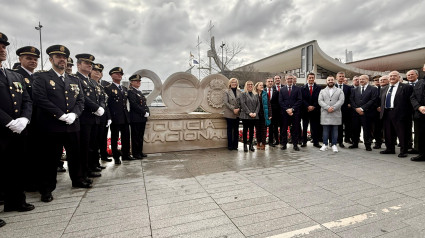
<point x="41" y="71"/>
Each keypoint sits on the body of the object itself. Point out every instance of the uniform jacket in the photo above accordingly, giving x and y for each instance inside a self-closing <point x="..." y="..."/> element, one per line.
<point x="54" y="97"/>
<point x="103" y="102"/>
<point x="402" y="106"/>
<point x="336" y="101"/>
<point x="231" y="102"/>
<point x="347" y="94"/>
<point x="15" y="101"/>
<point x="310" y="100"/>
<point x="274" y="102"/>
<point x="138" y="107"/>
<point x="117" y="104"/>
<point x="418" y="98"/>
<point x="367" y="100"/>
<point x="91" y="100"/>
<point x="249" y="103"/>
<point x="28" y="79"/>
<point x="293" y="101"/>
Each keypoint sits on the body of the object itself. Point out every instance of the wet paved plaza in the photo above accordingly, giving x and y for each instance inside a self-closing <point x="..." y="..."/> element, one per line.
<point x="221" y="193"/>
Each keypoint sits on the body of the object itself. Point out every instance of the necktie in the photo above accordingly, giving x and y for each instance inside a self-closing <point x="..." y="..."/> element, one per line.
<point x="268" y="94"/>
<point x="388" y="98"/>
<point x="362" y="90"/>
<point x="120" y="88"/>
<point x="340" y="86"/>
<point x="3" y="75"/>
<point x="61" y="77"/>
<point x="289" y="90"/>
<point x="311" y="90"/>
<point x="278" y="88"/>
<point x="413" y="84"/>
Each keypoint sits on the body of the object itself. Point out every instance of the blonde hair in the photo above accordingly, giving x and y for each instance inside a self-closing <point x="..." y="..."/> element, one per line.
<point x="229" y="84"/>
<point x="246" y="87"/>
<point x="256" y="87"/>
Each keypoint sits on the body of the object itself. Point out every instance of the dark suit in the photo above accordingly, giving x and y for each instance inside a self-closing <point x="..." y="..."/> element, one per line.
<point x="367" y="102"/>
<point x="396" y="119"/>
<point x="102" y="136"/>
<point x="89" y="124"/>
<point x="418" y="99"/>
<point x="138" y="109"/>
<point x="312" y="117"/>
<point x="28" y="79"/>
<point x="377" y="126"/>
<point x="294" y="101"/>
<point x="346" y="116"/>
<point x="15" y="102"/>
<point x="275" y="122"/>
<point x="54" y="98"/>
<point x="117" y="103"/>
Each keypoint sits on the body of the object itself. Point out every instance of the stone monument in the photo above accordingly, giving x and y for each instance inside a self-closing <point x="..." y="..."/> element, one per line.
<point x="176" y="127"/>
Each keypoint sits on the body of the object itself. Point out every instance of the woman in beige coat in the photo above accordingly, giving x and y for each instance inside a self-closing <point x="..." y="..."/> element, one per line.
<point x="231" y="113"/>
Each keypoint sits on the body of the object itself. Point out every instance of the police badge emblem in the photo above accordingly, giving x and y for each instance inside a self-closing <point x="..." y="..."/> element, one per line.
<point x="52" y="83"/>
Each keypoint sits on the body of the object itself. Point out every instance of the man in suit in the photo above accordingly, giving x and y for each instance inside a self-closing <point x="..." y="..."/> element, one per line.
<point x="59" y="101"/>
<point x="311" y="110"/>
<point x="117" y="103"/>
<point x="418" y="102"/>
<point x="345" y="127"/>
<point x="90" y="118"/>
<point x="290" y="101"/>
<point x="273" y="96"/>
<point x="377" y="126"/>
<point x="412" y="77"/>
<point x="139" y="113"/>
<point x="278" y="116"/>
<point x="15" y="113"/>
<point x="363" y="101"/>
<point x="396" y="112"/>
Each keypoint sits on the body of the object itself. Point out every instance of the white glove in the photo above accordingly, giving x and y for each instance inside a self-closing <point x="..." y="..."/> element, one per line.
<point x="147" y="114"/>
<point x="108" y="123"/>
<point x="99" y="112"/>
<point x="11" y="123"/>
<point x="71" y="118"/>
<point x="20" y="125"/>
<point x="63" y="117"/>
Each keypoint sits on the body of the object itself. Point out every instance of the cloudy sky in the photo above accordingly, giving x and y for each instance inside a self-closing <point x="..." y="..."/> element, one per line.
<point x="159" y="35"/>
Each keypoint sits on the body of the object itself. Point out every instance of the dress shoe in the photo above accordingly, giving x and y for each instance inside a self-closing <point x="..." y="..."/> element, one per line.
<point x="101" y="167"/>
<point x="251" y="147"/>
<point x="88" y="180"/>
<point x="93" y="174"/>
<point x="61" y="169"/>
<point x="402" y="155"/>
<point x="96" y="169"/>
<point x="46" y="197"/>
<point x="296" y="148"/>
<point x="283" y="147"/>
<point x="303" y="144"/>
<point x="81" y="184"/>
<point x="413" y="151"/>
<point x="276" y="143"/>
<point x="129" y="157"/>
<point x="139" y="157"/>
<point x="387" y="152"/>
<point x="20" y="208"/>
<point x="2" y="223"/>
<point x="117" y="161"/>
<point x="368" y="148"/>
<point x="353" y="146"/>
<point x="377" y="147"/>
<point x="272" y="145"/>
<point x="317" y="145"/>
<point x="341" y="145"/>
<point x="245" y="147"/>
<point x="418" y="158"/>
<point x="348" y="141"/>
<point x="106" y="159"/>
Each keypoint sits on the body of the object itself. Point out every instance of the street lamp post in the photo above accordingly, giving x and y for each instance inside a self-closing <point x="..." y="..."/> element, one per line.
<point x="222" y="62"/>
<point x="38" y="28"/>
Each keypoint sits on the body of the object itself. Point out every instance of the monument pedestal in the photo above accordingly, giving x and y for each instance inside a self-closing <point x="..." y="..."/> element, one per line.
<point x="188" y="131"/>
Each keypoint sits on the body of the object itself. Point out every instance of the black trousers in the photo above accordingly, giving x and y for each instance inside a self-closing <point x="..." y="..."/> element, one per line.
<point x="125" y="140"/>
<point x="88" y="137"/>
<point x="312" y="118"/>
<point x="274" y="129"/>
<point x="53" y="147"/>
<point x="248" y="125"/>
<point x="365" y="123"/>
<point x="378" y="133"/>
<point x="394" y="129"/>
<point x="137" y="133"/>
<point x="232" y="133"/>
<point x="345" y="128"/>
<point x="31" y="181"/>
<point x="12" y="148"/>
<point x="295" y="122"/>
<point x="420" y="134"/>
<point x="103" y="140"/>
<point x="261" y="130"/>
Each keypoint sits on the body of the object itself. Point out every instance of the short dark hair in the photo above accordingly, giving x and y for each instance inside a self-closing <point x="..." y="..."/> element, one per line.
<point x="311" y="74"/>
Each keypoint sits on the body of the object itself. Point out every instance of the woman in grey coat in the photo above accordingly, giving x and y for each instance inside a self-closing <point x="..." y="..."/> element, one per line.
<point x="330" y="100"/>
<point x="250" y="106"/>
<point x="231" y="113"/>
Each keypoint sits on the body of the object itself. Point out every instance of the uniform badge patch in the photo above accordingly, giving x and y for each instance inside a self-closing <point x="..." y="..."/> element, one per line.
<point x="52" y="83"/>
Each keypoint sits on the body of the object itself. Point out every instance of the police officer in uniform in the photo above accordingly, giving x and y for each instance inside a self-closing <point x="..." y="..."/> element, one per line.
<point x="90" y="118"/>
<point x="117" y="103"/>
<point x="28" y="57"/>
<point x="105" y="119"/>
<point x="139" y="113"/>
<point x="69" y="64"/>
<point x="15" y="113"/>
<point x="60" y="101"/>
